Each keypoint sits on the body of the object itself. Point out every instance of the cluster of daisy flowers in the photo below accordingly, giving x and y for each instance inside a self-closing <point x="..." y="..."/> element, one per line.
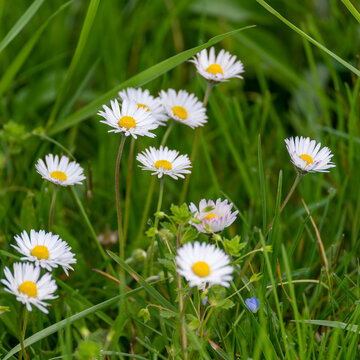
<point x="40" y="249"/>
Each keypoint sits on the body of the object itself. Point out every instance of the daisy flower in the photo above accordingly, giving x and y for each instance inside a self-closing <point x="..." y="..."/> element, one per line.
<point x="306" y="155"/>
<point x="184" y="107"/>
<point x="214" y="216"/>
<point x="60" y="171"/>
<point x="147" y="101"/>
<point x="164" y="162"/>
<point x="45" y="250"/>
<point x="129" y="120"/>
<point x="28" y="288"/>
<point x="220" y="68"/>
<point x="203" y="264"/>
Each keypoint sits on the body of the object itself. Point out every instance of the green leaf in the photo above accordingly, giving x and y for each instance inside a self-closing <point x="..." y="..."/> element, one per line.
<point x="144" y="314"/>
<point x="138" y="80"/>
<point x="21" y="23"/>
<point x="234" y="246"/>
<point x="194" y="322"/>
<point x="167" y="314"/>
<point x="334" y="324"/>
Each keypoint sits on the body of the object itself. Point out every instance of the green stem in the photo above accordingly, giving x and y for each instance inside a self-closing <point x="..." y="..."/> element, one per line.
<point x="158" y="208"/>
<point x="288" y="196"/>
<point x="167" y="133"/>
<point x="52" y="208"/>
<point x="195" y="145"/>
<point x="117" y="193"/>
<point x="23" y="313"/>
<point x="128" y="189"/>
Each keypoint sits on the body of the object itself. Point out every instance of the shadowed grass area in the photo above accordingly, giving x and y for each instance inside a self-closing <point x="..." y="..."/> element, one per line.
<point x="60" y="61"/>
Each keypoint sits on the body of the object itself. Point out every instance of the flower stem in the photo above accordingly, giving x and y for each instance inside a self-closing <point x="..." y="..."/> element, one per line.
<point x="117" y="192"/>
<point x="22" y="330"/>
<point x="52" y="208"/>
<point x="288" y="196"/>
<point x="195" y="145"/>
<point x="167" y="133"/>
<point x="158" y="208"/>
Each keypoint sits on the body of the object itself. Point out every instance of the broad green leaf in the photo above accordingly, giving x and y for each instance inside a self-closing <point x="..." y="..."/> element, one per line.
<point x="21" y="23"/>
<point x="138" y="80"/>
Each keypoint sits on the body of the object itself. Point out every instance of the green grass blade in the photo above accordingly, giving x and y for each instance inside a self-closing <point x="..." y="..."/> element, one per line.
<point x="138" y="80"/>
<point x="20" y="24"/>
<point x="16" y="65"/>
<point x="352" y="9"/>
<point x="334" y="324"/>
<point x="309" y="38"/>
<point x="262" y="184"/>
<point x="150" y="289"/>
<point x="85" y="31"/>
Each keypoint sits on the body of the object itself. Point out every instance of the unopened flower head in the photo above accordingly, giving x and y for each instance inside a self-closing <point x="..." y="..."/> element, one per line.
<point x="147" y="101"/>
<point x="253" y="304"/>
<point x="214" y="216"/>
<point x="164" y="162"/>
<point x="306" y="155"/>
<point x="28" y="287"/>
<point x="45" y="249"/>
<point x="203" y="264"/>
<point x="184" y="107"/>
<point x="129" y="120"/>
<point x="60" y="171"/>
<point x="218" y="68"/>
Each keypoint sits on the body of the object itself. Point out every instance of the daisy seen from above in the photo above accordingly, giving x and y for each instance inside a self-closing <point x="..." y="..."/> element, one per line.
<point x="129" y="119"/>
<point x="60" y="171"/>
<point x="164" y="162"/>
<point x="202" y="264"/>
<point x="306" y="155"/>
<point x="28" y="287"/>
<point x="45" y="249"/>
<point x="214" y="216"/>
<point x="184" y="107"/>
<point x="144" y="99"/>
<point x="218" y="68"/>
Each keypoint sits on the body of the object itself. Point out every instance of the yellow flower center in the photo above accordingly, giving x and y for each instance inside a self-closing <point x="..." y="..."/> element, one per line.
<point x="144" y="106"/>
<point x="215" y="69"/>
<point x="40" y="251"/>
<point x="209" y="216"/>
<point x="58" y="175"/>
<point x="166" y="165"/>
<point x="28" y="288"/>
<point x="309" y="160"/>
<point x="180" y="112"/>
<point x="201" y="268"/>
<point x="127" y="121"/>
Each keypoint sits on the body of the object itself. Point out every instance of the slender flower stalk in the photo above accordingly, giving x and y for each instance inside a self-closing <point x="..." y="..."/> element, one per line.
<point x="288" y="196"/>
<point x="167" y="133"/>
<point x="23" y="319"/>
<point x="195" y="144"/>
<point x="52" y="208"/>
<point x="117" y="192"/>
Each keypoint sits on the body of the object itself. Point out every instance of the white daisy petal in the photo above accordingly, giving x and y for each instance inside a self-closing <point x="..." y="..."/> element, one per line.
<point x="131" y="119"/>
<point x="28" y="288"/>
<point x="215" y="217"/>
<point x="164" y="162"/>
<point x="45" y="249"/>
<point x="203" y="264"/>
<point x="306" y="155"/>
<point x="215" y="70"/>
<point x="61" y="172"/>
<point x="183" y="107"/>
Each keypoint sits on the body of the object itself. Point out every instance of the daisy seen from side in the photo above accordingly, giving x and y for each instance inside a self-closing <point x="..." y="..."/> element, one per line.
<point x="204" y="264"/>
<point x="214" y="216"/>
<point x="28" y="287"/>
<point x="184" y="107"/>
<point x="307" y="156"/>
<point x="218" y="68"/>
<point x="45" y="249"/>
<point x="164" y="162"/>
<point x="60" y="171"/>
<point x="129" y="119"/>
<point x="144" y="99"/>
